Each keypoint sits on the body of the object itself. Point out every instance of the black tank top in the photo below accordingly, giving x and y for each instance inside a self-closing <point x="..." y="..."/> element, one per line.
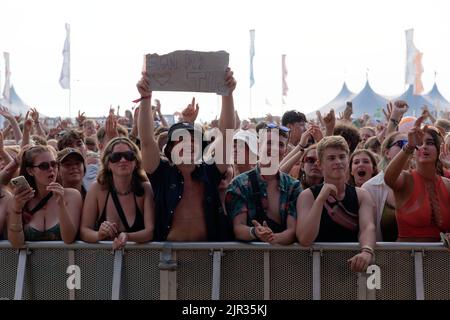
<point x="330" y="231"/>
<point x="138" y="224"/>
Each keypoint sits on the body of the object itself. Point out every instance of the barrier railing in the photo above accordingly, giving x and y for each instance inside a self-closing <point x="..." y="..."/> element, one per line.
<point x="225" y="271"/>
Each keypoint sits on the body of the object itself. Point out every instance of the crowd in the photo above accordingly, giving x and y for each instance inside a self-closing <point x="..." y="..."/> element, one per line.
<point x="283" y="180"/>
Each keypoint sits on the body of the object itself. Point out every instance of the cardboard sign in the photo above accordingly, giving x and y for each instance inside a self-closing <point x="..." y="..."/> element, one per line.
<point x="188" y="71"/>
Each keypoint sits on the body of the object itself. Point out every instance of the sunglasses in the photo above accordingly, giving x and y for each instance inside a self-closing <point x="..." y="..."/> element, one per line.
<point x="399" y="143"/>
<point x="310" y="160"/>
<point x="116" y="156"/>
<point x="45" y="166"/>
<point x="275" y="126"/>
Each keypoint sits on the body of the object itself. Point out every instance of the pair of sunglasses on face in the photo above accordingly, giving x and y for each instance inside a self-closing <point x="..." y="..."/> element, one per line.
<point x="45" y="166"/>
<point x="275" y="126"/>
<point x="399" y="143"/>
<point x="310" y="160"/>
<point x="117" y="156"/>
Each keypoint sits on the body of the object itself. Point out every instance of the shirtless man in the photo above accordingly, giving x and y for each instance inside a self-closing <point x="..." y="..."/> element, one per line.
<point x="263" y="204"/>
<point x="187" y="200"/>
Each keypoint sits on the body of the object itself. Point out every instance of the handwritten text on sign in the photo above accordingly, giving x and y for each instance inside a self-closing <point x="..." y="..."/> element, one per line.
<point x="188" y="71"/>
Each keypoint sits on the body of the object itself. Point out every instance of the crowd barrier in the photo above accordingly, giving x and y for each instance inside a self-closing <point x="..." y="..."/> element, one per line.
<point x="220" y="271"/>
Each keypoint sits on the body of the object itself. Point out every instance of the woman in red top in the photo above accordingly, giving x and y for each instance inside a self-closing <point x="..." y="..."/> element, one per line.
<point x="422" y="195"/>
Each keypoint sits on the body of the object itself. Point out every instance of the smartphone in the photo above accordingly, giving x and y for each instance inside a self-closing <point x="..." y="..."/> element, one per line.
<point x="349" y="104"/>
<point x="20" y="182"/>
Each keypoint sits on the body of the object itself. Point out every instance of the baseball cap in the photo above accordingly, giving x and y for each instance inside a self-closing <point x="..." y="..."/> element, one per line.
<point x="63" y="154"/>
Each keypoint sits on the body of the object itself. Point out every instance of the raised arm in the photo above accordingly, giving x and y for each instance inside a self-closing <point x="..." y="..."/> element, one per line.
<point x="13" y="122"/>
<point x="227" y="120"/>
<point x="27" y="125"/>
<point x="149" y="147"/>
<point x="394" y="176"/>
<point x="160" y="115"/>
<point x="34" y="114"/>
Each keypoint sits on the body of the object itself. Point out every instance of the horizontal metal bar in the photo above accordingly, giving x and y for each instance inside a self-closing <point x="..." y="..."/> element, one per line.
<point x="228" y="245"/>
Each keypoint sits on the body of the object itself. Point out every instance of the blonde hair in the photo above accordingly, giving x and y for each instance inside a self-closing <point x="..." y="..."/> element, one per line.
<point x="336" y="142"/>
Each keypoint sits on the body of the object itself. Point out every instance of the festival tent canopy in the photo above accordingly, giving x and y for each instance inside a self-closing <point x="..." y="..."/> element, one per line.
<point x="368" y="101"/>
<point x="338" y="103"/>
<point x="415" y="102"/>
<point x="438" y="101"/>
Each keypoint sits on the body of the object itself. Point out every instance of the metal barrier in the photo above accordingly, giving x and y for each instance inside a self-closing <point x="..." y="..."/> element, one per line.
<point x="225" y="271"/>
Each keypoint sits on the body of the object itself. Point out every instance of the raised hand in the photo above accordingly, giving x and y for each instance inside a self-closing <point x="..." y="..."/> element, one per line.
<point x="34" y="114"/>
<point x="230" y="81"/>
<point x="158" y="106"/>
<point x="190" y="113"/>
<point x="329" y="122"/>
<point x="81" y="117"/>
<point x="416" y="134"/>
<point x="4" y="111"/>
<point x="143" y="86"/>
<point x="444" y="155"/>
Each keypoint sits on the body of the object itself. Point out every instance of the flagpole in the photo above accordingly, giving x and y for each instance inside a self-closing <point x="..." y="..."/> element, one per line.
<point x="250" y="106"/>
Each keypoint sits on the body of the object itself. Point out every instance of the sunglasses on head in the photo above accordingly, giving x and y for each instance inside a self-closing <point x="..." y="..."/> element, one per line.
<point x="116" y="156"/>
<point x="45" y="166"/>
<point x="310" y="160"/>
<point x="275" y="126"/>
<point x="399" y="143"/>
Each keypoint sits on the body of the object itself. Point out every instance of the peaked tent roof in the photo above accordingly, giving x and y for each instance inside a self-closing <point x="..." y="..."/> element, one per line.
<point x="415" y="102"/>
<point x="338" y="103"/>
<point x="368" y="101"/>
<point x="16" y="105"/>
<point x="437" y="99"/>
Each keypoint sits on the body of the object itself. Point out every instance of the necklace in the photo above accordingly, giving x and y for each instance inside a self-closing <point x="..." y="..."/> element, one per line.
<point x="122" y="193"/>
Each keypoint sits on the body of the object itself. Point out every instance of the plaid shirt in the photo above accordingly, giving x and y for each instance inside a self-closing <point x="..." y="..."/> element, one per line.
<point x="239" y="198"/>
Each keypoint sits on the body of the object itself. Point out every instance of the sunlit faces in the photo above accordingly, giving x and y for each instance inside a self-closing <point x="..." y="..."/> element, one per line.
<point x="428" y="151"/>
<point x="362" y="168"/>
<point x="396" y="146"/>
<point x="71" y="170"/>
<point x="124" y="166"/>
<point x="334" y="163"/>
<point x="311" y="165"/>
<point x="44" y="169"/>
<point x="272" y="145"/>
<point x="296" y="132"/>
<point x="366" y="133"/>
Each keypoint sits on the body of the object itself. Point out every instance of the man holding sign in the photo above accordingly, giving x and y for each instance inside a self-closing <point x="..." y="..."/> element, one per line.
<point x="187" y="200"/>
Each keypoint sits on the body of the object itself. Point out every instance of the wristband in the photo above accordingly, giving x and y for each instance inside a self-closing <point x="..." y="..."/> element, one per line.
<point x="408" y="149"/>
<point x="395" y="122"/>
<point x="142" y="98"/>
<point x="253" y="233"/>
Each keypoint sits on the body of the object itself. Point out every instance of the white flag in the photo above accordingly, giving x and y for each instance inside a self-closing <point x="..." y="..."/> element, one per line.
<point x="414" y="68"/>
<point x="284" y="73"/>
<point x="7" y="87"/>
<point x="64" y="79"/>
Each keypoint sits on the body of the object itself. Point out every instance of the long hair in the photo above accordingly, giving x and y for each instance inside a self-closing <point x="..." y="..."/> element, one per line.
<point x="437" y="137"/>
<point x="105" y="177"/>
<point x="29" y="153"/>
<point x="373" y="160"/>
<point x="386" y="145"/>
<point x="301" y="174"/>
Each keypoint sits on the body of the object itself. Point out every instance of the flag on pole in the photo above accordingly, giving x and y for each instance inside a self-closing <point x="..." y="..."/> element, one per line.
<point x="284" y="74"/>
<point x="414" y="68"/>
<point x="252" y="54"/>
<point x="64" y="79"/>
<point x="7" y="87"/>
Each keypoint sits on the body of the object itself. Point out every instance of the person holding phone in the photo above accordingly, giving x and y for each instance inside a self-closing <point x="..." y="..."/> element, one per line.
<point x="41" y="209"/>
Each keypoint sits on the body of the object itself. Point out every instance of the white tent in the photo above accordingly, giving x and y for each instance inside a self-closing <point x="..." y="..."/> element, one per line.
<point x="440" y="104"/>
<point x="415" y="102"/>
<point x="368" y="101"/>
<point x="338" y="103"/>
